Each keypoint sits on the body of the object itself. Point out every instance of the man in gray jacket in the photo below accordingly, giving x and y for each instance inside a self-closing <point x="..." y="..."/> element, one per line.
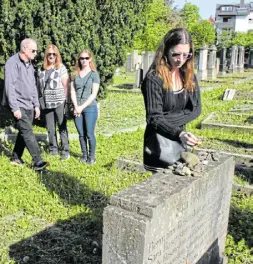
<point x="21" y="91"/>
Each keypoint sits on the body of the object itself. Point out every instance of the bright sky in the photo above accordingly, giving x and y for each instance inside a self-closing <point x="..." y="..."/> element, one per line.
<point x="207" y="7"/>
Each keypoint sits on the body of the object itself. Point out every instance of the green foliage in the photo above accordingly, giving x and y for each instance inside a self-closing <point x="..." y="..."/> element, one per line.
<point x="105" y="27"/>
<point x="202" y="33"/>
<point x="190" y="15"/>
<point x="228" y="39"/>
<point x="156" y="16"/>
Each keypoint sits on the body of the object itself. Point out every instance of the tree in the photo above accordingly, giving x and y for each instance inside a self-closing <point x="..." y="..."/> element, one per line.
<point x="157" y="18"/>
<point x="190" y="15"/>
<point x="105" y="27"/>
<point x="202" y="33"/>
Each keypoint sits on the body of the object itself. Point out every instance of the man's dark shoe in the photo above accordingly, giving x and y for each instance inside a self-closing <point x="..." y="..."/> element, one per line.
<point x="41" y="165"/>
<point x="65" y="156"/>
<point x="91" y="161"/>
<point x="17" y="162"/>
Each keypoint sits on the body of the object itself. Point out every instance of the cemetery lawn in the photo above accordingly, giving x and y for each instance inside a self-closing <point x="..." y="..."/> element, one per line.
<point x="56" y="216"/>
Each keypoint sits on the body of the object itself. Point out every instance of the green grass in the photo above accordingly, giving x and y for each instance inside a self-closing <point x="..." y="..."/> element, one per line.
<point x="56" y="216"/>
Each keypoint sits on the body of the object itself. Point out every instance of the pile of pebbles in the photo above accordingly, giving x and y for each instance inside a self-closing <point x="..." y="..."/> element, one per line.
<point x="193" y="165"/>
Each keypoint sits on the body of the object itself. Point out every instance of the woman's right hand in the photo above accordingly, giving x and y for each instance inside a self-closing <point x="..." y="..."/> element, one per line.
<point x="187" y="138"/>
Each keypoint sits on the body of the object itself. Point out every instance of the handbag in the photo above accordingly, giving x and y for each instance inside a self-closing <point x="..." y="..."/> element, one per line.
<point x="41" y="97"/>
<point x="164" y="149"/>
<point x="42" y="103"/>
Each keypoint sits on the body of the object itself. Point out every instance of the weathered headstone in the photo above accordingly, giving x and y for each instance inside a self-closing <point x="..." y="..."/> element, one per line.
<point x="241" y="59"/>
<point x="134" y="58"/>
<point x="250" y="65"/>
<point x="169" y="219"/>
<point x="129" y="62"/>
<point x="223" y="61"/>
<point x="217" y="65"/>
<point x="202" y="71"/>
<point x="233" y="60"/>
<point x="138" y="76"/>
<point x="147" y="59"/>
<point x="211" y="64"/>
<point x="228" y="94"/>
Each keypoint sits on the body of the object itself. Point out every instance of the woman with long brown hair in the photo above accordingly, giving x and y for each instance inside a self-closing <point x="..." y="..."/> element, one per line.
<point x="53" y="86"/>
<point x="84" y="90"/>
<point x="172" y="99"/>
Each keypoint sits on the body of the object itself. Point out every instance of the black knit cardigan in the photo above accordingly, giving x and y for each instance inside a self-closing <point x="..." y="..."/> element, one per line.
<point x="159" y="104"/>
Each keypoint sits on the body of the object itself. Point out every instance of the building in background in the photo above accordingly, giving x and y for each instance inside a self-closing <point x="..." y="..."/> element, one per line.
<point x="234" y="17"/>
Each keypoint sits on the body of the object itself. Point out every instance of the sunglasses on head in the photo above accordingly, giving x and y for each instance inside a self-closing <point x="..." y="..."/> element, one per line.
<point x="186" y="56"/>
<point x="84" y="58"/>
<point x="51" y="54"/>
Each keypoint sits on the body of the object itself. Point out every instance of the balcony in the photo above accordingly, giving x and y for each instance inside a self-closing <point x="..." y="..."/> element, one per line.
<point x="230" y="24"/>
<point x="242" y="11"/>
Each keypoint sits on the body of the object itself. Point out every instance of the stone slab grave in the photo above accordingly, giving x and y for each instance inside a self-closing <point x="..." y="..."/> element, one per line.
<point x="170" y="219"/>
<point x="210" y="122"/>
<point x="243" y="107"/>
<point x="247" y="95"/>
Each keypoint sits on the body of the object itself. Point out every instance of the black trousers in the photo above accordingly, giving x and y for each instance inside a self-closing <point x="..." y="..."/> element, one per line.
<point x="25" y="137"/>
<point x="51" y="116"/>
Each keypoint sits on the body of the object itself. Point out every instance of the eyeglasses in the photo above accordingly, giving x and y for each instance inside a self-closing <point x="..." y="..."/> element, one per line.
<point x="84" y="58"/>
<point x="51" y="54"/>
<point x="33" y="50"/>
<point x="186" y="56"/>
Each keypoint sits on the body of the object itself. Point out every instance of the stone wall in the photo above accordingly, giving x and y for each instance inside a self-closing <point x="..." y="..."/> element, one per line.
<point x="169" y="219"/>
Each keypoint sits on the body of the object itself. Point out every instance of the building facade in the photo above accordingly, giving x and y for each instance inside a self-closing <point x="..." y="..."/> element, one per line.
<point x="234" y="17"/>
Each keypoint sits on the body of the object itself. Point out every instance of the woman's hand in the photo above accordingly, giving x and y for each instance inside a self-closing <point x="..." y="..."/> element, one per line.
<point x="187" y="138"/>
<point x="78" y="110"/>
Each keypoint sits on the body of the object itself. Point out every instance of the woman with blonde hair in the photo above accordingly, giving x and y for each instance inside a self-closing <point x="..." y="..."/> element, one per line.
<point x="172" y="99"/>
<point x="53" y="87"/>
<point x="84" y="89"/>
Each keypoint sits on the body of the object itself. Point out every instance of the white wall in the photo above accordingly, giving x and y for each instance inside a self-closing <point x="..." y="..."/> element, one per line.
<point x="241" y="24"/>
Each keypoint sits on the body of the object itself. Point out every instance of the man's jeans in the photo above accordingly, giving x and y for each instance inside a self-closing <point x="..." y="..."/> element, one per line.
<point x="25" y="137"/>
<point x="51" y="116"/>
<point x="85" y="124"/>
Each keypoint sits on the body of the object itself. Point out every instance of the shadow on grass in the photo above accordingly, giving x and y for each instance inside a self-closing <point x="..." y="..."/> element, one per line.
<point x="241" y="223"/>
<point x="77" y="240"/>
<point x="236" y="143"/>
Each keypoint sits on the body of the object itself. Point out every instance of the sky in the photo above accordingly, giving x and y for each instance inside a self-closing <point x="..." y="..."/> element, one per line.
<point x="206" y="7"/>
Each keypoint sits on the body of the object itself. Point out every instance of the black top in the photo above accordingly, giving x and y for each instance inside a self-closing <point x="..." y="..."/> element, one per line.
<point x="168" y="112"/>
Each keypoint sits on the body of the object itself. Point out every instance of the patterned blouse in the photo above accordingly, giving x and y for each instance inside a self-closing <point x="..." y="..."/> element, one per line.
<point x="51" y="82"/>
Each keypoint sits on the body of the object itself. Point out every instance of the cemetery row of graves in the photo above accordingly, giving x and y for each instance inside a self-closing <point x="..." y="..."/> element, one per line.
<point x="56" y="216"/>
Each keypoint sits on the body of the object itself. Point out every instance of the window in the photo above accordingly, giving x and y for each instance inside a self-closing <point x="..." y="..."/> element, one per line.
<point x="226" y="8"/>
<point x="226" y="19"/>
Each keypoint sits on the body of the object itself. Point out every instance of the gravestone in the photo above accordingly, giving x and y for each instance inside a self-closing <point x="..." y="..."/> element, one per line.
<point x="129" y="62"/>
<point x="223" y="61"/>
<point x="168" y="219"/>
<point x="233" y="60"/>
<point x="147" y="59"/>
<point x="138" y="76"/>
<point x="134" y="59"/>
<point x="211" y="64"/>
<point x="202" y="72"/>
<point x="241" y="59"/>
<point x="250" y="65"/>
<point x="228" y="94"/>
<point x="217" y="65"/>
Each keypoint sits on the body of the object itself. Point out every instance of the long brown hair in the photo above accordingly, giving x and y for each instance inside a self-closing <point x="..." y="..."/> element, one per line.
<point x="58" y="59"/>
<point x="161" y="63"/>
<point x="78" y="64"/>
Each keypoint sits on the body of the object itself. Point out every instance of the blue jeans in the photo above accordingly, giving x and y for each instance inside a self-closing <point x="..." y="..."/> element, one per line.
<point x="85" y="125"/>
